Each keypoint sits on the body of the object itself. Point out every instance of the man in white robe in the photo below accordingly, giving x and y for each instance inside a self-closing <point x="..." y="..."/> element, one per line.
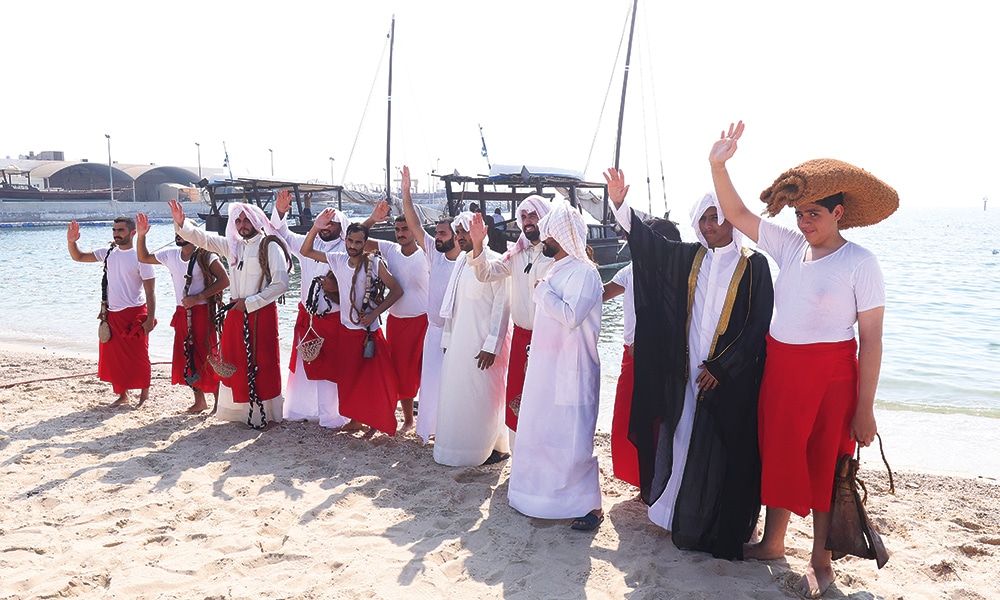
<point x="248" y="244"/>
<point x="311" y="399"/>
<point x="554" y="472"/>
<point x="525" y="265"/>
<point x="476" y="339"/>
<point x="441" y="251"/>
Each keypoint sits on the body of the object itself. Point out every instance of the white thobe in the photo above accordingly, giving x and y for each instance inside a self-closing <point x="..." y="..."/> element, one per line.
<point x="246" y="280"/>
<point x="710" y="290"/>
<point x="522" y="284"/>
<point x="309" y="399"/>
<point x="470" y="415"/>
<point x="430" y="370"/>
<point x="553" y="474"/>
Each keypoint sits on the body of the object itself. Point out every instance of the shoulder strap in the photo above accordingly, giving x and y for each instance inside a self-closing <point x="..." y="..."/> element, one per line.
<point x="104" y="281"/>
<point x="190" y="271"/>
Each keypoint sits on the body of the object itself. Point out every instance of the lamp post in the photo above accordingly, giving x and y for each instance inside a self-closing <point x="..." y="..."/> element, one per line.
<point x="331" y="170"/>
<point x="272" y="161"/>
<point x="199" y="160"/>
<point x="111" y="175"/>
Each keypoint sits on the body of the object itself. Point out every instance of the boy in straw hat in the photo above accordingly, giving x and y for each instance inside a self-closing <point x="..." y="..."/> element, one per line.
<point x="818" y="391"/>
<point x="554" y="471"/>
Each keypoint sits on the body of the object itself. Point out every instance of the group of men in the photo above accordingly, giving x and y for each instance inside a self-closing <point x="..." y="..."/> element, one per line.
<point x="500" y="347"/>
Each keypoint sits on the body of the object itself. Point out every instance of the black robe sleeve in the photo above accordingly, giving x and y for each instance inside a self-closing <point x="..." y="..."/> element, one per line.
<point x="660" y="271"/>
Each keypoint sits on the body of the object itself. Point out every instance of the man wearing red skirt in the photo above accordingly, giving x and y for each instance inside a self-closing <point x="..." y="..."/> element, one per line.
<point x="131" y="299"/>
<point x="258" y="264"/>
<point x="195" y="286"/>
<point x="367" y="382"/>
<point x="407" y="323"/>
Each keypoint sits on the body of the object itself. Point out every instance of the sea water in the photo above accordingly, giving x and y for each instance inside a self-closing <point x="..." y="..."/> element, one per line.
<point x="938" y="400"/>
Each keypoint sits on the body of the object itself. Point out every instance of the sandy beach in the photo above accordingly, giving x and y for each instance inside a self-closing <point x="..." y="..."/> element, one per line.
<point x="107" y="502"/>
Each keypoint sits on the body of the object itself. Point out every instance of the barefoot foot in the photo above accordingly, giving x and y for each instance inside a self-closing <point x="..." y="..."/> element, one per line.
<point x="121" y="401"/>
<point x="762" y="551"/>
<point x="815" y="581"/>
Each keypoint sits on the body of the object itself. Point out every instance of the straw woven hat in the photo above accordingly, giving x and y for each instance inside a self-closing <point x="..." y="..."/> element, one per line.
<point x="867" y="199"/>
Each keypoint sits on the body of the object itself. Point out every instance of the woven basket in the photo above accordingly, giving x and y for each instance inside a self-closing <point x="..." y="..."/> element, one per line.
<point x="309" y="350"/>
<point x="222" y="368"/>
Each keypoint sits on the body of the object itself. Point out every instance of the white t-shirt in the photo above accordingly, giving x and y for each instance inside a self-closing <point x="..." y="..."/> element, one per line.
<point x="344" y="273"/>
<point x="413" y="275"/>
<point x="441" y="268"/>
<point x="819" y="300"/>
<point x="125" y="277"/>
<point x="624" y="278"/>
<point x="178" y="267"/>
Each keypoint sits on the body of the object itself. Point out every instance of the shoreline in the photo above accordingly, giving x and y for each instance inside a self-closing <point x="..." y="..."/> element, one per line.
<point x="955" y="451"/>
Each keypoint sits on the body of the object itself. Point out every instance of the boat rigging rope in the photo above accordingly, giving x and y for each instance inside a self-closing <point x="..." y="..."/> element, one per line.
<point x="611" y="80"/>
<point x="656" y="115"/>
<point x="371" y="92"/>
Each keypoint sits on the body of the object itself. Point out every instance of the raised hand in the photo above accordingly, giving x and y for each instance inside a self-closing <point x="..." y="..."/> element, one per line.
<point x="478" y="228"/>
<point x="616" y="186"/>
<point x="177" y="212"/>
<point x="141" y="224"/>
<point x="324" y="218"/>
<point x="73" y="232"/>
<point x="381" y="211"/>
<point x="283" y="201"/>
<point x="404" y="180"/>
<point x="725" y="147"/>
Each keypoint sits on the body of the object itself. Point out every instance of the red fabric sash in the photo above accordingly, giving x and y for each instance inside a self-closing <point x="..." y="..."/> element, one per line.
<point x="405" y="337"/>
<point x="327" y="327"/>
<point x="124" y="360"/>
<point x="264" y="342"/>
<point x="515" y="372"/>
<point x="624" y="458"/>
<point x="209" y="380"/>
<point x="807" y="401"/>
<point x="367" y="386"/>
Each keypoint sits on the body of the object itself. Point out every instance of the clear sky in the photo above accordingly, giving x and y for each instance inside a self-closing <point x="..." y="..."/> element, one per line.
<point x="907" y="90"/>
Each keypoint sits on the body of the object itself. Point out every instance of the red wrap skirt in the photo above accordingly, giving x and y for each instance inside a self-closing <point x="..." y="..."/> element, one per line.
<point x="405" y="337"/>
<point x="327" y="327"/>
<point x="264" y="349"/>
<point x="203" y="340"/>
<point x="367" y="386"/>
<point x="807" y="401"/>
<point x="518" y="364"/>
<point x="123" y="361"/>
<point x="624" y="458"/>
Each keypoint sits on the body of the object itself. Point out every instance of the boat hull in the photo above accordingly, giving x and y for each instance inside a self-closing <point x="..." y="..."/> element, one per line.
<point x="53" y="211"/>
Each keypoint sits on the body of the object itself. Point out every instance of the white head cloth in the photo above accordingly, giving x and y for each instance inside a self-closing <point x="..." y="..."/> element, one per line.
<point x="708" y="201"/>
<point x="345" y="222"/>
<point x="464" y="219"/>
<point x="257" y="218"/>
<point x="565" y="225"/>
<point x="536" y="204"/>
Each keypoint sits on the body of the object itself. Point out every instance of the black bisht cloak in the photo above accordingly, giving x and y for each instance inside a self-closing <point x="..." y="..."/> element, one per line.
<point x="719" y="499"/>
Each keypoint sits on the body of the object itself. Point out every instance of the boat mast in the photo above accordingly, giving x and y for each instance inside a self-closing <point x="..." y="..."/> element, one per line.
<point x="621" y="109"/>
<point x="388" y="123"/>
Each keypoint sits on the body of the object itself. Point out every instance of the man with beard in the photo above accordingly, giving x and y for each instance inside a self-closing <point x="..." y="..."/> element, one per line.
<point x="440" y="252"/>
<point x="367" y="381"/>
<point x="702" y="311"/>
<point x="128" y="307"/>
<point x="554" y="472"/>
<point x="199" y="280"/>
<point x="259" y="265"/>
<point x="406" y="325"/>
<point x="525" y="264"/>
<point x="312" y="393"/>
<point x="470" y="425"/>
